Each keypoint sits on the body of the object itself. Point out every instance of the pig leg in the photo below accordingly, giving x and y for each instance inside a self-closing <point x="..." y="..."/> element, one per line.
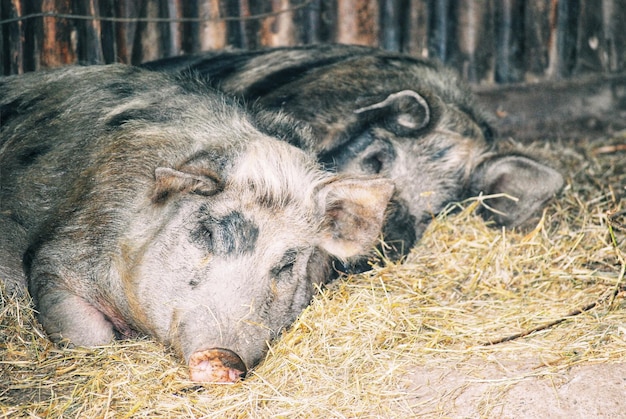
<point x="12" y="245"/>
<point x="68" y="317"/>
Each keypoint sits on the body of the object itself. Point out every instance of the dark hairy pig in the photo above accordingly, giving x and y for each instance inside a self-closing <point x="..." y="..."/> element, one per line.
<point x="379" y="112"/>
<point x="138" y="202"/>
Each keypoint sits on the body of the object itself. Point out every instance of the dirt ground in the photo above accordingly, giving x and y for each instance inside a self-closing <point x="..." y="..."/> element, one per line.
<point x="514" y="389"/>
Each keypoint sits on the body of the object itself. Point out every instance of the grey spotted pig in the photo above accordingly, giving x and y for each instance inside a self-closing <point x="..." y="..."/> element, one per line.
<point x="138" y="202"/>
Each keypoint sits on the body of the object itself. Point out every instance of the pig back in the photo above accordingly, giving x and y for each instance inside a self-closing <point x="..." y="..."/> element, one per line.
<point x="57" y="145"/>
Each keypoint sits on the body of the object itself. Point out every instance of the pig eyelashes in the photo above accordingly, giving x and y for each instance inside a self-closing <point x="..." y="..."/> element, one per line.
<point x="231" y="235"/>
<point x="283" y="271"/>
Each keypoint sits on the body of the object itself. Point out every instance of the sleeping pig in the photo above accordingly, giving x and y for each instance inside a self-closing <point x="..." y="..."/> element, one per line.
<point x="138" y="202"/>
<point x="378" y="112"/>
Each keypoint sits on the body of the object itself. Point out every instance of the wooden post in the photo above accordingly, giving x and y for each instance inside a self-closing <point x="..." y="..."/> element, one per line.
<point x="439" y="30"/>
<point x="307" y="23"/>
<point x="151" y="36"/>
<point x="391" y="26"/>
<point x="57" y="48"/>
<point x="473" y="52"/>
<point x="358" y="22"/>
<point x="212" y="33"/>
<point x="3" y="47"/>
<point x="417" y="28"/>
<point x="509" y="22"/>
<point x="328" y="21"/>
<point x="108" y="40"/>
<point x="567" y="30"/>
<point x="89" y="32"/>
<point x="539" y="33"/>
<point x="125" y="31"/>
<point x="614" y="35"/>
<point x="234" y="30"/>
<point x="278" y="30"/>
<point x="14" y="35"/>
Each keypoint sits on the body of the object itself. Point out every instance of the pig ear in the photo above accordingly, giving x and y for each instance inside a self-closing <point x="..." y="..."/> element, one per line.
<point x="169" y="182"/>
<point x="353" y="214"/>
<point x="529" y="183"/>
<point x="404" y="112"/>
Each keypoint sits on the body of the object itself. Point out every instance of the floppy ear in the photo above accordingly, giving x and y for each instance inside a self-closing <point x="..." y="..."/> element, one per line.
<point x="353" y="211"/>
<point x="529" y="183"/>
<point x="404" y="112"/>
<point x="169" y="182"/>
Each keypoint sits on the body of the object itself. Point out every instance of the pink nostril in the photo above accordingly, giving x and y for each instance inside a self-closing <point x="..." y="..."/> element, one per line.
<point x="216" y="365"/>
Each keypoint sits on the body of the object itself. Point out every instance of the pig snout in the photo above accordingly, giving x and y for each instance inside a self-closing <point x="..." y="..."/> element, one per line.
<point x="216" y="365"/>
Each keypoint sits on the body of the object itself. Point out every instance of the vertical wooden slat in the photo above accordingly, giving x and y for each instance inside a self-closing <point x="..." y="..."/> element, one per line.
<point x="590" y="47"/>
<point x="165" y="29"/>
<point x="174" y="10"/>
<point x="472" y="53"/>
<point x="264" y="29"/>
<point x="14" y="35"/>
<point x="438" y="29"/>
<point x="125" y="31"/>
<point x="190" y="42"/>
<point x="391" y="22"/>
<point x="567" y="29"/>
<point x="328" y="21"/>
<point x="417" y="28"/>
<point x="234" y="30"/>
<point x="212" y="33"/>
<point x="58" y="48"/>
<point x="278" y="30"/>
<point x="246" y="33"/>
<point x="3" y="47"/>
<point x="359" y="22"/>
<point x="509" y="31"/>
<point x="147" y="45"/>
<point x="539" y="37"/>
<point x="33" y="33"/>
<point x="108" y="39"/>
<point x="614" y="39"/>
<point x="89" y="47"/>
<point x="253" y="26"/>
<point x="307" y="23"/>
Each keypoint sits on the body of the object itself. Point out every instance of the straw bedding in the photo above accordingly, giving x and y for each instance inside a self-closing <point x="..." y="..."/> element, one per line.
<point x="477" y="322"/>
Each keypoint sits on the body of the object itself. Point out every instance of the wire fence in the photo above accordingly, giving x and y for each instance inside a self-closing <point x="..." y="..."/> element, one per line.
<point x="487" y="41"/>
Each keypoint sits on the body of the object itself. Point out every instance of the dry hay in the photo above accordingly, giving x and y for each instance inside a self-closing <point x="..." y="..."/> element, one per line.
<point x="404" y="340"/>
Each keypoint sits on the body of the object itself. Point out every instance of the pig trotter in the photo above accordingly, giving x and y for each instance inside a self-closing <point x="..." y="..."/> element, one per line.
<point x="216" y="366"/>
<point x="70" y="320"/>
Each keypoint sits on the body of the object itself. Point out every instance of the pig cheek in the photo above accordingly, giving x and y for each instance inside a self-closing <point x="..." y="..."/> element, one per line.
<point x="431" y="172"/>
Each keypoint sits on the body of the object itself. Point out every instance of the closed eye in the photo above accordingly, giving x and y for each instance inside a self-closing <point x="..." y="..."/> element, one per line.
<point x="284" y="273"/>
<point x="283" y="270"/>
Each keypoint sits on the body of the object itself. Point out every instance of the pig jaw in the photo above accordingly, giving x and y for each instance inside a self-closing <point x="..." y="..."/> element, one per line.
<point x="216" y="365"/>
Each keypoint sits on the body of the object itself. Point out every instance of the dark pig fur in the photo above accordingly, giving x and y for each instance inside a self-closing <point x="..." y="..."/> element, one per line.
<point x="133" y="201"/>
<point x="379" y="112"/>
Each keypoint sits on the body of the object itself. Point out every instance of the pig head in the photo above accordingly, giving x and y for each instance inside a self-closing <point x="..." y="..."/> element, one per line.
<point x="146" y="203"/>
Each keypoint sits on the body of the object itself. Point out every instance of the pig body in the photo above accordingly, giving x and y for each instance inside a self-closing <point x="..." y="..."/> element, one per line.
<point x="138" y="202"/>
<point x="378" y="112"/>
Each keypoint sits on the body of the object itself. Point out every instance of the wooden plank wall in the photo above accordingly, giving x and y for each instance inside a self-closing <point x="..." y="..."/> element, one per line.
<point x="488" y="41"/>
